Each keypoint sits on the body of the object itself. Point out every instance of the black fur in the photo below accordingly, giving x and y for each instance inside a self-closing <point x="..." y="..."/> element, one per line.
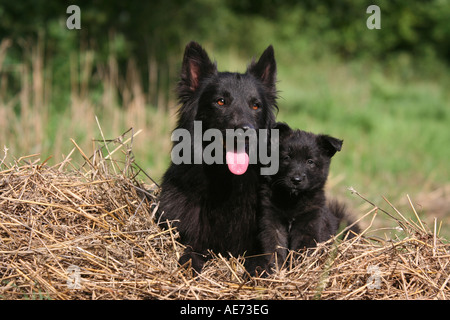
<point x="212" y="208"/>
<point x="295" y="214"/>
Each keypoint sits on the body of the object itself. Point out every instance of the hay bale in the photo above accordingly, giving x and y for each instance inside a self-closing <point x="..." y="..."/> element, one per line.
<point x="88" y="233"/>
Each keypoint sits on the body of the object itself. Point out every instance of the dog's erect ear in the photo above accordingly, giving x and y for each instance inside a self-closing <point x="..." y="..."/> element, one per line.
<point x="329" y="144"/>
<point x="196" y="65"/>
<point x="266" y="68"/>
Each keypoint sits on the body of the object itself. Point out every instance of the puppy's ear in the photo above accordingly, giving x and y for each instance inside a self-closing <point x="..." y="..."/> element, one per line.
<point x="266" y="68"/>
<point x="283" y="127"/>
<point x="329" y="144"/>
<point x="196" y="66"/>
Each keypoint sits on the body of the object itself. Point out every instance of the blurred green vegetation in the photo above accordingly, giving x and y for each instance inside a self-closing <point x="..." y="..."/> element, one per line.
<point x="385" y="92"/>
<point x="158" y="30"/>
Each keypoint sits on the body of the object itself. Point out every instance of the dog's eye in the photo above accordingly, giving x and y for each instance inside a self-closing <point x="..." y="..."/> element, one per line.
<point x="256" y="106"/>
<point x="221" y="102"/>
<point x="310" y="162"/>
<point x="286" y="158"/>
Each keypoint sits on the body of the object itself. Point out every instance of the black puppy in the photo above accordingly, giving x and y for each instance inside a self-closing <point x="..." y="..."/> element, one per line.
<point x="295" y="214"/>
<point x="213" y="205"/>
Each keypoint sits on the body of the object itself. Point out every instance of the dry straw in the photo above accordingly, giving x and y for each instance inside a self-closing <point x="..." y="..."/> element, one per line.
<point x="87" y="232"/>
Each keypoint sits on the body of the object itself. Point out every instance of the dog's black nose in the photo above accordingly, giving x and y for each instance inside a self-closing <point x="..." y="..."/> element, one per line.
<point x="247" y="127"/>
<point x="297" y="179"/>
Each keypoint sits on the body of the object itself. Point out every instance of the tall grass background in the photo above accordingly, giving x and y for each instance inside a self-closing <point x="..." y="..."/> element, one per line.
<point x="394" y="116"/>
<point x="32" y="121"/>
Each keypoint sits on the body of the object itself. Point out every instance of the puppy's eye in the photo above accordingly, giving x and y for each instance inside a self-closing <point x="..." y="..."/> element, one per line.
<point x="286" y="158"/>
<point x="221" y="102"/>
<point x="310" y="162"/>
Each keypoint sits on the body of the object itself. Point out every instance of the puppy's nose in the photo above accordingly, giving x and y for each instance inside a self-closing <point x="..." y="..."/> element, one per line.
<point x="297" y="179"/>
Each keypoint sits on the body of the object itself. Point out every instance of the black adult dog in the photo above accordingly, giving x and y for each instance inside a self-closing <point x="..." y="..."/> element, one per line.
<point x="295" y="213"/>
<point x="214" y="205"/>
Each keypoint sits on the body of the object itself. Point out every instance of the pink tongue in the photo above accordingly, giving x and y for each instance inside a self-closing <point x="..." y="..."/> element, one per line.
<point x="237" y="162"/>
